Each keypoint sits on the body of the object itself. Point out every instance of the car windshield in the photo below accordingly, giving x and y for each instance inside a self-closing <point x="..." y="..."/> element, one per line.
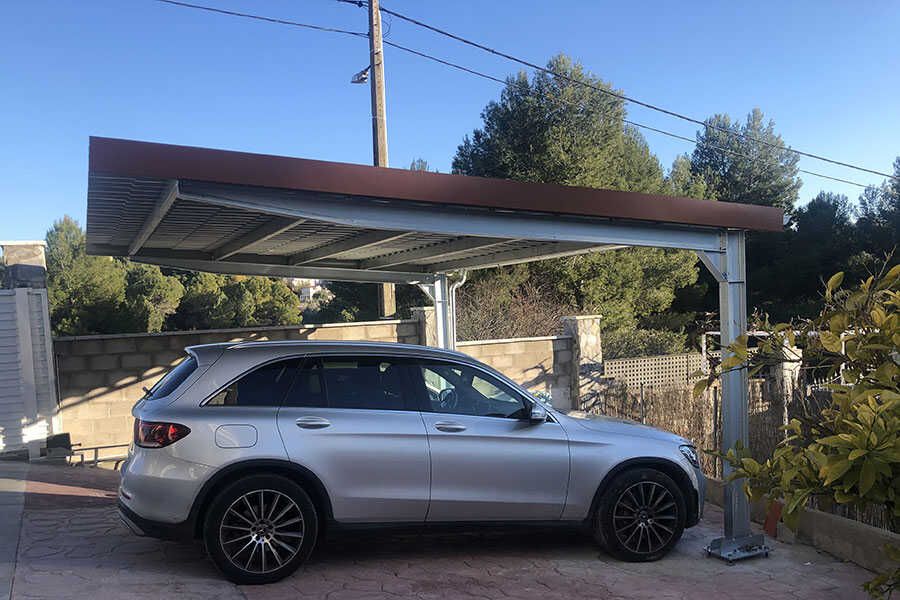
<point x="173" y="379"/>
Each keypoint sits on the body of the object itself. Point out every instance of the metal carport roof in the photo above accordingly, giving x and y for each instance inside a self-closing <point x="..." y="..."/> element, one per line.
<point x="240" y="213"/>
<point x="232" y="212"/>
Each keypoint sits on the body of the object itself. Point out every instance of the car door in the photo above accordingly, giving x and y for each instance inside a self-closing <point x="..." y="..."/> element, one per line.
<point x="488" y="461"/>
<point x="354" y="422"/>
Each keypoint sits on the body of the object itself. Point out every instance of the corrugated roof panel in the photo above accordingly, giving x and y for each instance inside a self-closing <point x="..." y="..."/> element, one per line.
<point x="118" y="207"/>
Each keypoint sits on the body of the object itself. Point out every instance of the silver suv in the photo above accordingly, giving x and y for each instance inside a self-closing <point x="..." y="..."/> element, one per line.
<point x="256" y="447"/>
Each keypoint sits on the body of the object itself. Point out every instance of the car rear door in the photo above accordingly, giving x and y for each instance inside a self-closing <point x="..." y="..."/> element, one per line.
<point x="353" y="421"/>
<point x="488" y="461"/>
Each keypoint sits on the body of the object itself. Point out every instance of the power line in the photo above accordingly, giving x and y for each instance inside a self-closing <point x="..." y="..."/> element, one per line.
<point x="629" y="122"/>
<point x="625" y="98"/>
<point x="459" y="67"/>
<point x="261" y="18"/>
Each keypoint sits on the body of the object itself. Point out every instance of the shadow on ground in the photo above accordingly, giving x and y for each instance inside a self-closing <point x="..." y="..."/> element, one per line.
<point x="72" y="546"/>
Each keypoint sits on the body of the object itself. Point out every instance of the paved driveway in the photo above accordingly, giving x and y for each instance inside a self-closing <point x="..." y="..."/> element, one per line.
<point x="71" y="546"/>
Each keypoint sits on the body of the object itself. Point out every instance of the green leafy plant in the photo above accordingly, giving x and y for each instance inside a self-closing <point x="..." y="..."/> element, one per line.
<point x="848" y="451"/>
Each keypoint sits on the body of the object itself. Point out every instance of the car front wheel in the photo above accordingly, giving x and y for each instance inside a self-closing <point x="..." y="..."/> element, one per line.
<point x="260" y="529"/>
<point x="641" y="515"/>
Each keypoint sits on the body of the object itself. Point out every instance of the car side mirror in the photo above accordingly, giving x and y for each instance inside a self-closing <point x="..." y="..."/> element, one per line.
<point x="538" y="413"/>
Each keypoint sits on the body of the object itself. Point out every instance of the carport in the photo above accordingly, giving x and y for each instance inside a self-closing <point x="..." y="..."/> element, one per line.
<point x="250" y="214"/>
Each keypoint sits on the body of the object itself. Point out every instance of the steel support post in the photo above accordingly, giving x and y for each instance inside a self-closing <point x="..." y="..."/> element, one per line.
<point x="738" y="541"/>
<point x="443" y="313"/>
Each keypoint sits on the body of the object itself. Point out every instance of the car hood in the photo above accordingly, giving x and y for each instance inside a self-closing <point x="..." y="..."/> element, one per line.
<point x="606" y="424"/>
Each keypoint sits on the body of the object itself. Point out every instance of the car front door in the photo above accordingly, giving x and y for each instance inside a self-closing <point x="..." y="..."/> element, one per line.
<point x="489" y="462"/>
<point x="354" y="422"/>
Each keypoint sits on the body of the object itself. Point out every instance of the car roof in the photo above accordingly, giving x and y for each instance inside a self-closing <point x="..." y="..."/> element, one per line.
<point x="326" y="346"/>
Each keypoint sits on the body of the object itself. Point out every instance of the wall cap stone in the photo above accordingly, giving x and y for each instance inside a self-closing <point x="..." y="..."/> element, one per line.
<point x="112" y="336"/>
<point x="508" y="340"/>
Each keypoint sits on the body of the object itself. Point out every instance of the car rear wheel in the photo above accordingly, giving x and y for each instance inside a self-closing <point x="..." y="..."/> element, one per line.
<point x="641" y="515"/>
<point x="260" y="529"/>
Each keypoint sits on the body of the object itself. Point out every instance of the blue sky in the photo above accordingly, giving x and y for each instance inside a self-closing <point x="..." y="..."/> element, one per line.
<point x="825" y="71"/>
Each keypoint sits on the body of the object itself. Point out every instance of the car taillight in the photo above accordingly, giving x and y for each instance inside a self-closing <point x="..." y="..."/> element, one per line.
<point x="148" y="434"/>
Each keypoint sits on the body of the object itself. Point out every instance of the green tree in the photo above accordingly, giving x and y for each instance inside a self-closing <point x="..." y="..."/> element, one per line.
<point x="223" y="301"/>
<point x="549" y="129"/>
<point x="359" y="302"/>
<point x="741" y="169"/>
<point x="420" y="164"/>
<point x="682" y="181"/>
<point x="99" y="294"/>
<point x="150" y="297"/>
<point x="848" y="453"/>
<point x="879" y="215"/>
<point x="85" y="293"/>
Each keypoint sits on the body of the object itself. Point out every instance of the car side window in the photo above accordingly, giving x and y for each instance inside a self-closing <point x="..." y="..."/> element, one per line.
<point x="462" y="390"/>
<point x="263" y="386"/>
<point x="365" y="382"/>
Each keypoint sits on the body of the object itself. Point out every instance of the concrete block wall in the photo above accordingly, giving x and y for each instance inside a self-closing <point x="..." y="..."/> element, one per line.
<point x="542" y="364"/>
<point x="102" y="376"/>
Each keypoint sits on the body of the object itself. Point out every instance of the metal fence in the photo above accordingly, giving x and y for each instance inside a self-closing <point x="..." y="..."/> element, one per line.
<point x="655" y="371"/>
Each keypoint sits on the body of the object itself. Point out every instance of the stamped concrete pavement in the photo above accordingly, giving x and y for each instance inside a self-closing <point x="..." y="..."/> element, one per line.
<point x="71" y="546"/>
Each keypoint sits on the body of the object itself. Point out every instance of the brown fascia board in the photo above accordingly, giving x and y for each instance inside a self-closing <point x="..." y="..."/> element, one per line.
<point x="128" y="158"/>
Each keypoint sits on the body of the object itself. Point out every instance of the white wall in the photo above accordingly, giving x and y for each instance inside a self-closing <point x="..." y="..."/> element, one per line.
<point x="28" y="406"/>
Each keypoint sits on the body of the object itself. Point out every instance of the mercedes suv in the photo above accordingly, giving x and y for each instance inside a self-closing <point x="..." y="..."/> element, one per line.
<point x="255" y="447"/>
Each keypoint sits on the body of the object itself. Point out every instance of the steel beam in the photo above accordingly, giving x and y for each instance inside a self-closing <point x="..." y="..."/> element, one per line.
<point x="232" y="267"/>
<point x="162" y="206"/>
<point x="512" y="257"/>
<point x="738" y="541"/>
<point x="372" y="238"/>
<point x="265" y="231"/>
<point x="405" y="216"/>
<point x="432" y="252"/>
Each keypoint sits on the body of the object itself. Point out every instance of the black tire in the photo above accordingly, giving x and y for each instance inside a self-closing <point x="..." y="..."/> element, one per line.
<point x="274" y="544"/>
<point x="640" y="516"/>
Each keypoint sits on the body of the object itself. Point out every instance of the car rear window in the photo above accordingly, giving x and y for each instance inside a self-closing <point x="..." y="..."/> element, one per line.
<point x="173" y="379"/>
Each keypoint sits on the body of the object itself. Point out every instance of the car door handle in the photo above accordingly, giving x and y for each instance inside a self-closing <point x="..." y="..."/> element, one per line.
<point x="312" y="423"/>
<point x="449" y="426"/>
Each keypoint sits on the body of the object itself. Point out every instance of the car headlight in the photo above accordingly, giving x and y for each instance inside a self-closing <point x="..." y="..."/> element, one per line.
<point x="690" y="453"/>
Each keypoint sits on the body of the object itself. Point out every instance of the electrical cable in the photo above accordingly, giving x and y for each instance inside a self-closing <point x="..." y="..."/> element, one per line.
<point x="266" y="19"/>
<point x="625" y="98"/>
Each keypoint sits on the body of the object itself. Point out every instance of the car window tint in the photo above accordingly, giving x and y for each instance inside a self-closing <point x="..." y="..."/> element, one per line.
<point x="264" y="386"/>
<point x="372" y="383"/>
<point x="173" y="379"/>
<point x="309" y="389"/>
<point x="457" y="389"/>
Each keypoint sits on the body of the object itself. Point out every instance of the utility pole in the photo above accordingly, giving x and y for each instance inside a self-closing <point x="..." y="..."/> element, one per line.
<point x="387" y="304"/>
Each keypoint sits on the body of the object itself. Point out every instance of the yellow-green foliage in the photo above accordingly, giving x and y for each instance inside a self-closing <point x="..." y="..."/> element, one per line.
<point x="849" y="452"/>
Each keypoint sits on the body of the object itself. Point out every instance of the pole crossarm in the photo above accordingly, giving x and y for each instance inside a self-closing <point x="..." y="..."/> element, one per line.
<point x="162" y="206"/>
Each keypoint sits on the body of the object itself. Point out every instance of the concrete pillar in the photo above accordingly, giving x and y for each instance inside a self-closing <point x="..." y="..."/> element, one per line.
<point x="425" y="322"/>
<point x="587" y="357"/>
<point x="25" y="264"/>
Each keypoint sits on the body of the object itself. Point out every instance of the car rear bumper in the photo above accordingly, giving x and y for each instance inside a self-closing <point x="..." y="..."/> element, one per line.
<point x="160" y="487"/>
<point x="138" y="525"/>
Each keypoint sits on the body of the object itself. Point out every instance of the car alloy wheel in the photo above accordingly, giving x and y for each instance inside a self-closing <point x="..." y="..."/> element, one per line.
<point x="260" y="528"/>
<point x="261" y="531"/>
<point x="645" y="517"/>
